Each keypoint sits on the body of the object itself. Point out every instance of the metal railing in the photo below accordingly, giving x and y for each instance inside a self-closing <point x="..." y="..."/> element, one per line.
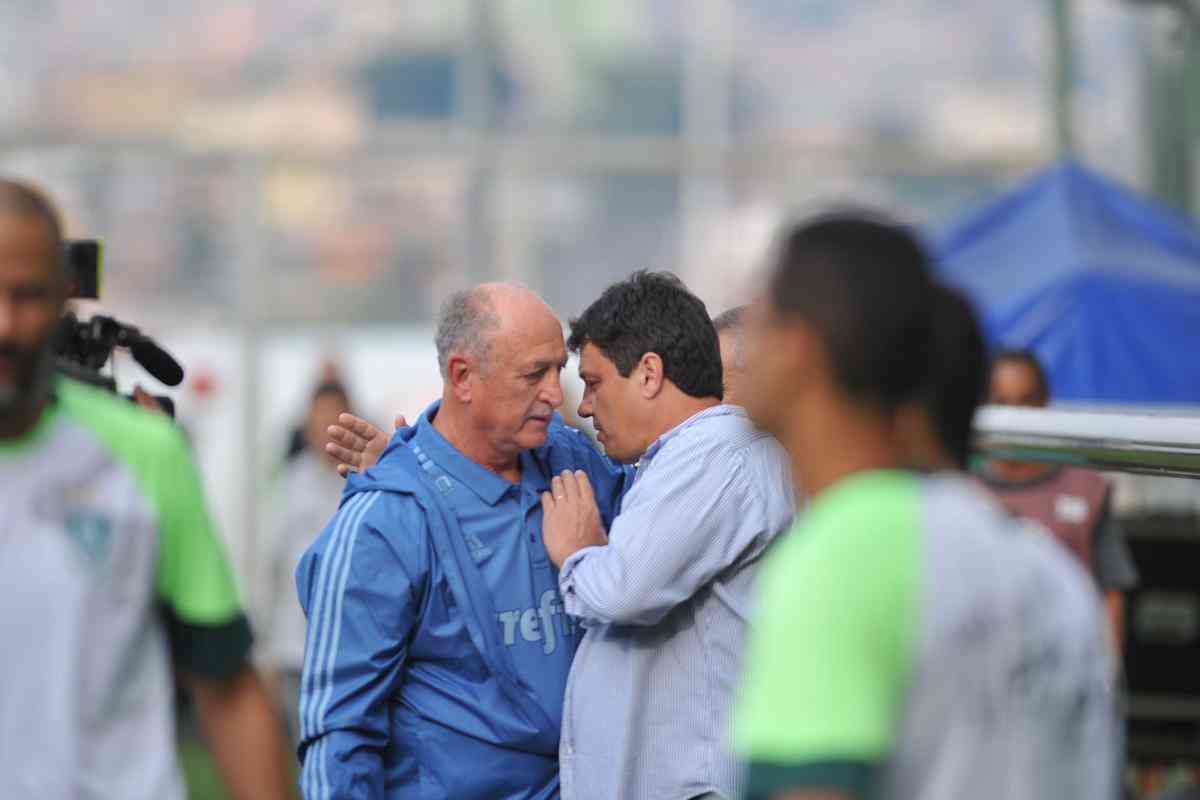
<point x="1165" y="444"/>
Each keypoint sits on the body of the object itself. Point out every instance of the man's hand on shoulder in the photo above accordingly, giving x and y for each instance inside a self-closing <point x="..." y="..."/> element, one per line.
<point x="357" y="444"/>
<point x="570" y="518"/>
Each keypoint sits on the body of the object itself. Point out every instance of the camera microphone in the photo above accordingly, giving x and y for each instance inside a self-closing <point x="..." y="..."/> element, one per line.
<point x="155" y="360"/>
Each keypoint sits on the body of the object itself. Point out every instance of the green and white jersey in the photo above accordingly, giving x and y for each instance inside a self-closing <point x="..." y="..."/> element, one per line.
<point x="107" y="553"/>
<point x="914" y="641"/>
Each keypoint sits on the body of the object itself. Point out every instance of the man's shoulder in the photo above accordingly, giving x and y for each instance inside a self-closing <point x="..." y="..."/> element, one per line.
<point x="571" y="448"/>
<point x="721" y="430"/>
<point x="562" y="435"/>
<point x="966" y="519"/>
<point x="375" y="504"/>
<point x="113" y="418"/>
<point x="150" y="446"/>
<point x="396" y="519"/>
<point x="725" y="435"/>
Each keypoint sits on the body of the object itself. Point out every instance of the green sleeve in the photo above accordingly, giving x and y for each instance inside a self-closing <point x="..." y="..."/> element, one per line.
<point x="194" y="580"/>
<point x="830" y="652"/>
<point x="194" y="576"/>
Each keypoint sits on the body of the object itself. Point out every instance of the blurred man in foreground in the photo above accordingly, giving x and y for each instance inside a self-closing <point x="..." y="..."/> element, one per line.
<point x="438" y="651"/>
<point x="1073" y="504"/>
<point x="913" y="640"/>
<point x="306" y="496"/>
<point x="109" y="572"/>
<point x="665" y="596"/>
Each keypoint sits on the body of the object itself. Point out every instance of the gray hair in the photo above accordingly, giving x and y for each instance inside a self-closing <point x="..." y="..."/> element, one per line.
<point x="464" y="323"/>
<point x="732" y="321"/>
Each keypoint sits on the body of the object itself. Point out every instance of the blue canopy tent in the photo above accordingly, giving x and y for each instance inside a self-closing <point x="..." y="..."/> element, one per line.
<point x="1104" y="285"/>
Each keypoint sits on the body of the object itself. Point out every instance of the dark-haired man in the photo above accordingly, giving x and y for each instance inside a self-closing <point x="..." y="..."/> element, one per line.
<point x="1075" y="505"/>
<point x="110" y="572"/>
<point x="913" y="640"/>
<point x="665" y="596"/>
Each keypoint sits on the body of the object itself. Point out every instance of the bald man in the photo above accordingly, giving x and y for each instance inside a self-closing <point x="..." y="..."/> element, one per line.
<point x="437" y="649"/>
<point x="731" y="336"/>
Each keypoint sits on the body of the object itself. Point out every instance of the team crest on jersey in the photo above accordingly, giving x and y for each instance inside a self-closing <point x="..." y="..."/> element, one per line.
<point x="91" y="531"/>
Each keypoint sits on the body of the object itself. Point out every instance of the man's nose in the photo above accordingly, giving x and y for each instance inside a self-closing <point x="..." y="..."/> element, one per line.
<point x="585" y="406"/>
<point x="552" y="393"/>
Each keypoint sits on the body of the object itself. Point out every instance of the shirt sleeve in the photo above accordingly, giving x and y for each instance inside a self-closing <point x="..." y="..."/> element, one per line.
<point x="1111" y="559"/>
<point x="659" y="556"/>
<point x="358" y="591"/>
<point x="195" y="579"/>
<point x="194" y="582"/>
<point x="209" y="634"/>
<point x="828" y="656"/>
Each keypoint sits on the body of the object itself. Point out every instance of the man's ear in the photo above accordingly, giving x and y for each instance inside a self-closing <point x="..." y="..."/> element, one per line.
<point x="809" y="355"/>
<point x="651" y="378"/>
<point x="459" y="370"/>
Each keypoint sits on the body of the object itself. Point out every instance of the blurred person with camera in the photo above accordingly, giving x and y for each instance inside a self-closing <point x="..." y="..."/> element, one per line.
<point x="437" y="648"/>
<point x="306" y="494"/>
<point x="110" y="571"/>
<point x="912" y="639"/>
<point x="1075" y="505"/>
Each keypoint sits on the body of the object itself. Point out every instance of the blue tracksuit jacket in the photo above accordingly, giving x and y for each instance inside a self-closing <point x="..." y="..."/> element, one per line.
<point x="408" y="691"/>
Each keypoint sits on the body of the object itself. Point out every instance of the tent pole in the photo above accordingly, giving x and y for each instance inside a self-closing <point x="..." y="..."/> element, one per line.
<point x="1064" y="72"/>
<point x="1171" y="64"/>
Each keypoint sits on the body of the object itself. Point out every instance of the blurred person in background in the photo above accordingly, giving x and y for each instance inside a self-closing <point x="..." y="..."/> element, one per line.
<point x="665" y="596"/>
<point x="437" y="649"/>
<point x="913" y="639"/>
<point x="298" y="439"/>
<point x="110" y="572"/>
<point x="307" y="495"/>
<point x="1075" y="505"/>
<point x="730" y="333"/>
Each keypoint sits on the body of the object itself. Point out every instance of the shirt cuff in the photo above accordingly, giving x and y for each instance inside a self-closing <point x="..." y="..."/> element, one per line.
<point x="566" y="582"/>
<point x="210" y="651"/>
<point x="766" y="780"/>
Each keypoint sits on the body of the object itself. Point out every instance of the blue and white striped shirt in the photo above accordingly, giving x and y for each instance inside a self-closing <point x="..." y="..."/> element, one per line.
<point x="665" y="604"/>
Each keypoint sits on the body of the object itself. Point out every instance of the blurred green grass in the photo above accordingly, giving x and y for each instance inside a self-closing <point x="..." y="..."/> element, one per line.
<point x="199" y="772"/>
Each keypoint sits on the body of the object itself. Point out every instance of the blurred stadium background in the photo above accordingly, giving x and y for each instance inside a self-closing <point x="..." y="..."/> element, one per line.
<point x="289" y="181"/>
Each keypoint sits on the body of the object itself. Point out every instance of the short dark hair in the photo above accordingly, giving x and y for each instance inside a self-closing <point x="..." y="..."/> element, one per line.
<point x="1029" y="359"/>
<point x="862" y="282"/>
<point x="17" y="197"/>
<point x="331" y="387"/>
<point x="653" y="312"/>
<point x="958" y="376"/>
